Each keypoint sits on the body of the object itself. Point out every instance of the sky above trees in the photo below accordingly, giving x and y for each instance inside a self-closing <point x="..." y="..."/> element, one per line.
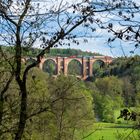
<point x="95" y="41"/>
<point x="98" y="41"/>
<point x="99" y="45"/>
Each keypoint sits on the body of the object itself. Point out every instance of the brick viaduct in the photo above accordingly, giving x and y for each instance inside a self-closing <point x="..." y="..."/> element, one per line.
<point x="86" y="64"/>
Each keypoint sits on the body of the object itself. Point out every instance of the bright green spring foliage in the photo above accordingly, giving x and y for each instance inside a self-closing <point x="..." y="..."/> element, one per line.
<point x="65" y="107"/>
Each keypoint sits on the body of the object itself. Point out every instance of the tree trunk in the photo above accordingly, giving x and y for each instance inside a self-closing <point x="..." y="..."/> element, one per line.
<point x="23" y="112"/>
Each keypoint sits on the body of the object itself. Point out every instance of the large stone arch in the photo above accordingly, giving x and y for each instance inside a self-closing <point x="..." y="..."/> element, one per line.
<point x="62" y="64"/>
<point x="50" y="66"/>
<point x="71" y="59"/>
<point x="100" y="61"/>
<point x="74" y="67"/>
<point x="97" y="66"/>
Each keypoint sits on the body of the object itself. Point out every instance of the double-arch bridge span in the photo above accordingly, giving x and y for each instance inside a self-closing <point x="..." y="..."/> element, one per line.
<point x="62" y="63"/>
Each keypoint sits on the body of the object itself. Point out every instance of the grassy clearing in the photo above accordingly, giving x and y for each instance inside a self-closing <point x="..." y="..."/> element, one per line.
<point x="110" y="134"/>
<point x="121" y="130"/>
<point x="110" y="131"/>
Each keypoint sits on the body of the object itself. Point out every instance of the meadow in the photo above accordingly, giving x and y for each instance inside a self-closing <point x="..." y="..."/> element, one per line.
<point x="112" y="131"/>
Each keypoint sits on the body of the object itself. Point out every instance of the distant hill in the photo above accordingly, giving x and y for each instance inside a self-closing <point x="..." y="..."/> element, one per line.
<point x="70" y="52"/>
<point x="32" y="52"/>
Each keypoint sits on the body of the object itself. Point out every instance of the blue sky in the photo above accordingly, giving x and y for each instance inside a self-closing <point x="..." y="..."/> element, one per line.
<point x="98" y="43"/>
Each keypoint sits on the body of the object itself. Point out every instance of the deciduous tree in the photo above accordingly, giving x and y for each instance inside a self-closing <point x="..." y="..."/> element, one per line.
<point x="26" y="22"/>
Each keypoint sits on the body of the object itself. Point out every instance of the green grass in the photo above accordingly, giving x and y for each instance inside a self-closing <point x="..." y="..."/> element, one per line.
<point x="109" y="134"/>
<point x="120" y="130"/>
<point x="110" y="131"/>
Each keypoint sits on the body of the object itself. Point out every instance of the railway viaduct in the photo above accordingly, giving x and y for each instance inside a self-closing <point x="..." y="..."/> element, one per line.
<point x="62" y="63"/>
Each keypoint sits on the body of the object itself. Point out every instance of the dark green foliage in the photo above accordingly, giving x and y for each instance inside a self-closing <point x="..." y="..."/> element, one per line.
<point x="32" y="52"/>
<point x="107" y="97"/>
<point x="49" y="66"/>
<point x="124" y="66"/>
<point x="75" y="68"/>
<point x="126" y="69"/>
<point x="129" y="93"/>
<point x="115" y="86"/>
<point x="98" y="69"/>
<point x="69" y="108"/>
<point x="71" y="52"/>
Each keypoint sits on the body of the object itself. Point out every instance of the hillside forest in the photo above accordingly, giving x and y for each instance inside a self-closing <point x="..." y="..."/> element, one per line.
<point x="67" y="108"/>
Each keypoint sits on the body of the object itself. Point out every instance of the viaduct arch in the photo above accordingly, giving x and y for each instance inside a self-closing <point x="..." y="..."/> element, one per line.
<point x="75" y="68"/>
<point x="50" y="66"/>
<point x="86" y="62"/>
